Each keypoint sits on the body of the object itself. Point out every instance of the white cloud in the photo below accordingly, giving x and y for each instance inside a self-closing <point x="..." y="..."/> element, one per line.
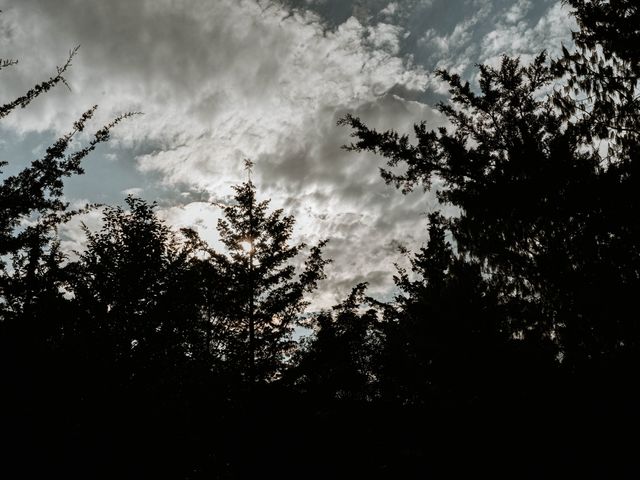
<point x="514" y="36"/>
<point x="454" y="51"/>
<point x="386" y="37"/>
<point x="517" y="12"/>
<point x="390" y="9"/>
<point x="494" y="30"/>
<point x="135" y="191"/>
<point x="222" y="80"/>
<point x="201" y="216"/>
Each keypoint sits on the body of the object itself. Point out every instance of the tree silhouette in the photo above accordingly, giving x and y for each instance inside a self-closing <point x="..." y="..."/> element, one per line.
<point x="447" y="332"/>
<point x="538" y="205"/>
<point x="32" y="206"/>
<point x="337" y="361"/>
<point x="539" y="160"/>
<point x="512" y="340"/>
<point x="135" y="283"/>
<point x="38" y="362"/>
<point x="602" y="75"/>
<point x="261" y="299"/>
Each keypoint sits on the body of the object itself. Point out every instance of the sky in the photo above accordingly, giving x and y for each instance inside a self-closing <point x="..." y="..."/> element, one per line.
<point x="219" y="81"/>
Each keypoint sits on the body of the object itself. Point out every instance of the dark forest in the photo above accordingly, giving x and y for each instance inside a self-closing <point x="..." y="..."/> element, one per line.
<point x="512" y="347"/>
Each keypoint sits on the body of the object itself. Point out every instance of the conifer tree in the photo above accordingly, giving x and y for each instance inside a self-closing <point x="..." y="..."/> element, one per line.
<point x="262" y="298"/>
<point x="445" y="329"/>
<point x="542" y="209"/>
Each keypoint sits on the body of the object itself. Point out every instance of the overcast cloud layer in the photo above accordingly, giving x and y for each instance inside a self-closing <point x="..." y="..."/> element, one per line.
<point x="223" y="80"/>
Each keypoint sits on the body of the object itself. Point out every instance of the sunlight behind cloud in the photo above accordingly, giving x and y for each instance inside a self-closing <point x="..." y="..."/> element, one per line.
<point x="222" y="81"/>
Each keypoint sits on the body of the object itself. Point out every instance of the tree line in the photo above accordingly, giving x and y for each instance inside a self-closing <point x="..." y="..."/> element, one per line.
<point x="512" y="345"/>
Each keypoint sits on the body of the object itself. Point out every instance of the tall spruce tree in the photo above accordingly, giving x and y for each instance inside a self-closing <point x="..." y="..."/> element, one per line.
<point x="445" y="331"/>
<point x="261" y="299"/>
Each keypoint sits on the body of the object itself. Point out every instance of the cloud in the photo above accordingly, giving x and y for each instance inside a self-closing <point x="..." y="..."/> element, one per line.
<point x="223" y="80"/>
<point x="390" y="9"/>
<point x="135" y="191"/>
<point x="517" y="11"/>
<point x="218" y="81"/>
<point x="514" y="35"/>
<point x="201" y="216"/>
<point x="385" y="37"/>
<point x="517" y="28"/>
<point x="456" y="50"/>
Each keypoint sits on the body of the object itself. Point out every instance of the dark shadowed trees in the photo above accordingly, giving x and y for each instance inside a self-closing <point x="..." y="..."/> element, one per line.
<point x="536" y="310"/>
<point x="36" y="319"/>
<point x="602" y="73"/>
<point x="137" y="287"/>
<point x="446" y="332"/>
<point x="512" y="340"/>
<point x="337" y="362"/>
<point x="541" y="210"/>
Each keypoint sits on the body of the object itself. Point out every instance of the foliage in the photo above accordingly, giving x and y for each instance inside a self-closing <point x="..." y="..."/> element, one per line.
<point x="337" y="361"/>
<point x="261" y="299"/>
<point x="603" y="74"/>
<point x="32" y="205"/>
<point x="135" y="284"/>
<point x="512" y="340"/>
<point x="540" y="210"/>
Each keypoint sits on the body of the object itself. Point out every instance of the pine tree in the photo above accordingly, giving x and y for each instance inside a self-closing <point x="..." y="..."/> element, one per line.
<point x="445" y="330"/>
<point x="261" y="299"/>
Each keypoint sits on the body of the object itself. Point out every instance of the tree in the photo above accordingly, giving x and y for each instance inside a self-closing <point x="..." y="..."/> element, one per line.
<point x="136" y="284"/>
<point x="35" y="316"/>
<point x="338" y="361"/>
<point x="540" y="210"/>
<point x="541" y="162"/>
<point x="32" y="207"/>
<point x="261" y="299"/>
<point x="602" y="75"/>
<point x="445" y="332"/>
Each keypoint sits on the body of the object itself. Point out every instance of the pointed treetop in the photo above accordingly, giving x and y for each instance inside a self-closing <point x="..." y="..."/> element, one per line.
<point x="248" y="166"/>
